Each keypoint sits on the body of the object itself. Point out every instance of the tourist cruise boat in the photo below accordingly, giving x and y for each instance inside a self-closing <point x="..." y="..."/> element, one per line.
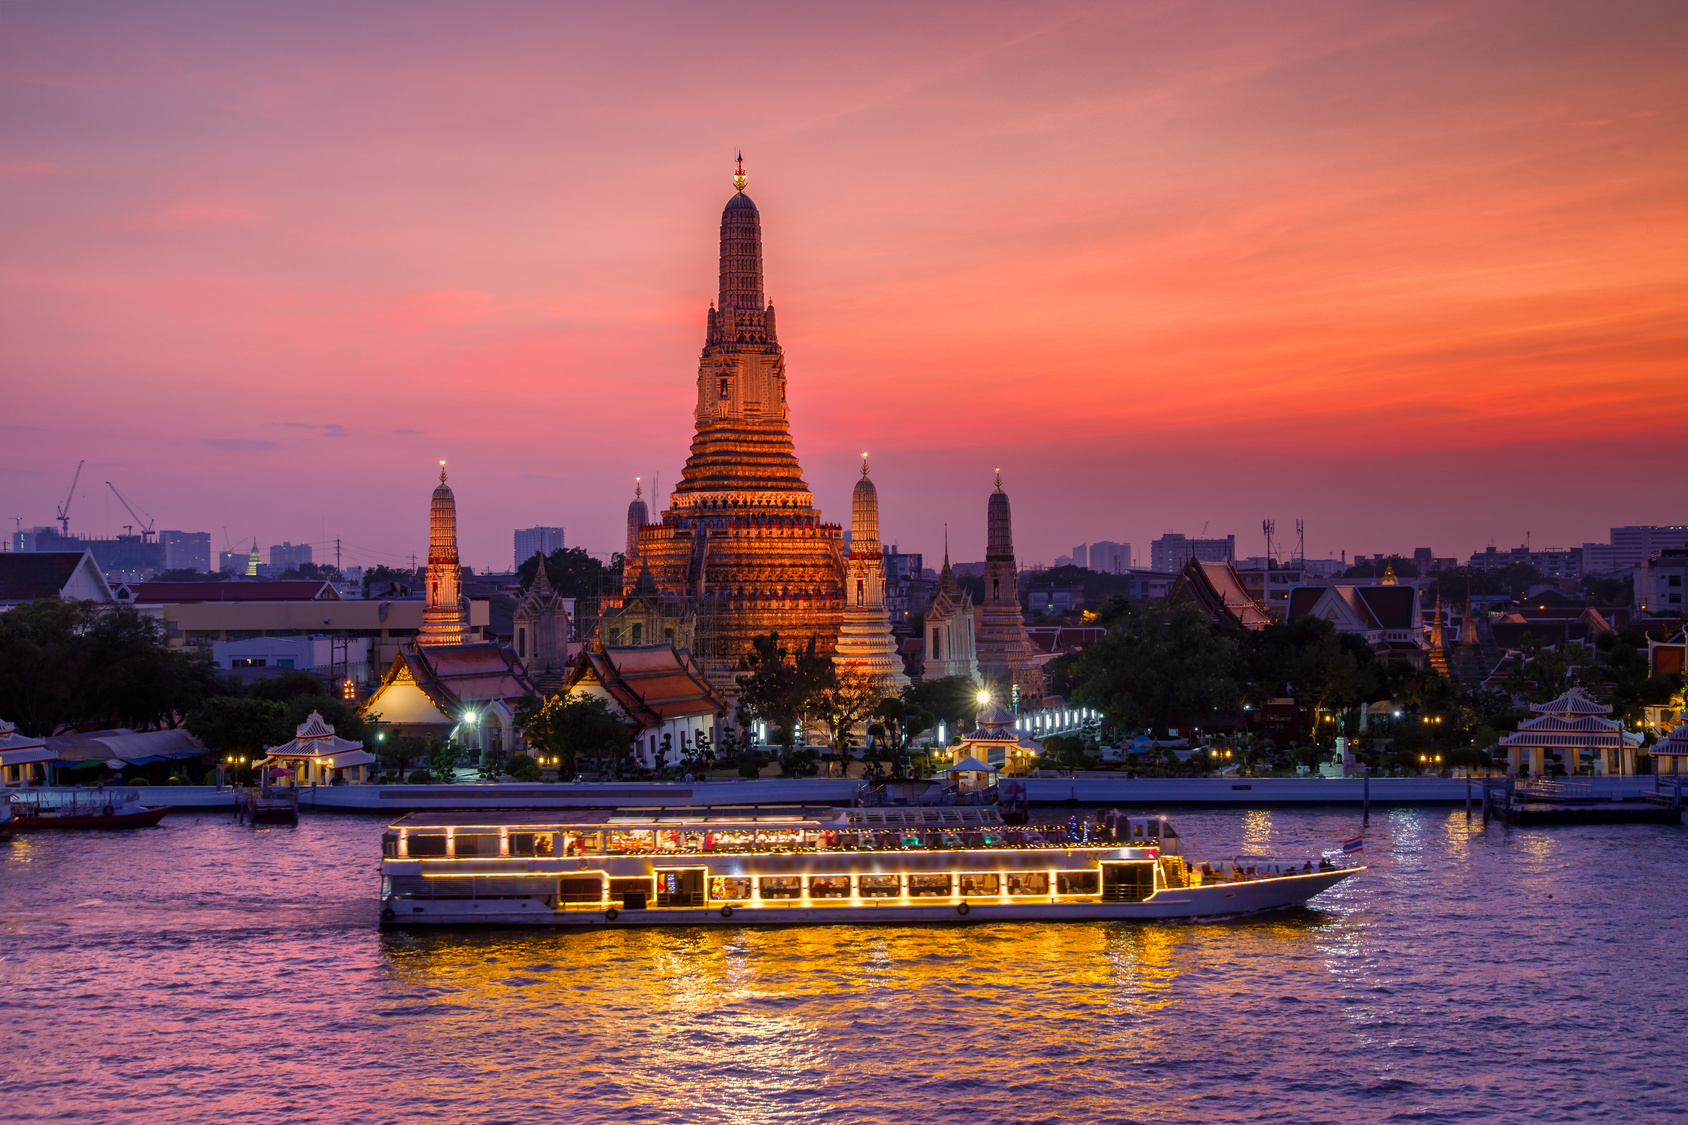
<point x="809" y="866"/>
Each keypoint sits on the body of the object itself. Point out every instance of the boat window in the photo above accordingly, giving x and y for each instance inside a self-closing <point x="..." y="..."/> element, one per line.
<point x="1076" y="883"/>
<point x="880" y="886"/>
<point x="928" y="886"/>
<point x="427" y="843"/>
<point x="782" y="886"/>
<point x="729" y="840"/>
<point x="727" y="889"/>
<point x="581" y="888"/>
<point x="1028" y="882"/>
<point x="780" y="838"/>
<point x="476" y="843"/>
<point x="579" y="843"/>
<point x="972" y="884"/>
<point x="668" y="840"/>
<point x="630" y="840"/>
<point x="829" y="886"/>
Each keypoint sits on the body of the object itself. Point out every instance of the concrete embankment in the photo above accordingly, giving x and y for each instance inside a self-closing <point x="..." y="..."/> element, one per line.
<point x="1098" y="789"/>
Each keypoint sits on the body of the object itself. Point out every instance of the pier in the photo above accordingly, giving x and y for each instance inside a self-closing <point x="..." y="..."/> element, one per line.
<point x="1620" y="800"/>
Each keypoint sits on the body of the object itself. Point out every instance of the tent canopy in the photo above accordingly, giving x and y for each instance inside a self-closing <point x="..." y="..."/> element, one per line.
<point x="971" y="765"/>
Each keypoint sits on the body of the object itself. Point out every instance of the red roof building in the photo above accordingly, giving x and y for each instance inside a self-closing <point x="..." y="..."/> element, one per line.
<point x="658" y="689"/>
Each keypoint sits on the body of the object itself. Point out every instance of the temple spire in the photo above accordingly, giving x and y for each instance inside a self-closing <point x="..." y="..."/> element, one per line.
<point x="739" y="177"/>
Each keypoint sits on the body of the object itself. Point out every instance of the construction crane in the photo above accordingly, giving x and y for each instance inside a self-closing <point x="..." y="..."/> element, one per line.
<point x="64" y="509"/>
<point x="145" y="525"/>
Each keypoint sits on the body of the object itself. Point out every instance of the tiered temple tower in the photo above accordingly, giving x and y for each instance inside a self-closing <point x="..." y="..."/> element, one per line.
<point x="445" y="619"/>
<point x="637" y="517"/>
<point x="951" y="643"/>
<point x="1006" y="657"/>
<point x="865" y="642"/>
<point x="741" y="540"/>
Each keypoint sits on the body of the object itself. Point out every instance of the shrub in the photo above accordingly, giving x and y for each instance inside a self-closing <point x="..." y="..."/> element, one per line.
<point x="420" y="777"/>
<point x="523" y="768"/>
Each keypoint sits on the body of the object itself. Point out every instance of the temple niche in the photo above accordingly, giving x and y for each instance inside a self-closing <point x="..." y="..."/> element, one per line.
<point x="741" y="548"/>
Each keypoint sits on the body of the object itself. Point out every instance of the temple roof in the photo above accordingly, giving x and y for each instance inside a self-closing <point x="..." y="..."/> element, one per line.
<point x="1218" y="591"/>
<point x="1573" y="702"/>
<point x="650" y="683"/>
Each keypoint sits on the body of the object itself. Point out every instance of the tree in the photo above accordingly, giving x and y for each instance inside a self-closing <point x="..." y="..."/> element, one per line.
<point x="1542" y="673"/>
<point x="574" y="573"/>
<point x="1158" y="667"/>
<point x="378" y="580"/>
<point x="523" y="768"/>
<point x="65" y="665"/>
<point x="312" y="572"/>
<point x="782" y="688"/>
<point x="232" y="725"/>
<point x="953" y="700"/>
<point x="442" y="760"/>
<point x="844" y="703"/>
<point x="578" y="726"/>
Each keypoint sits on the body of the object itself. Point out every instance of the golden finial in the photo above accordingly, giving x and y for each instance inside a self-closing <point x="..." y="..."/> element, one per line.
<point x="999" y="478"/>
<point x="442" y="472"/>
<point x="638" y="489"/>
<point x="738" y="173"/>
<point x="864" y="465"/>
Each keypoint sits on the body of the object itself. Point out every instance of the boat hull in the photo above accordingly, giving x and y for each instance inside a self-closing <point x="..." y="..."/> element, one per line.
<point x="1217" y="900"/>
<point x="142" y="818"/>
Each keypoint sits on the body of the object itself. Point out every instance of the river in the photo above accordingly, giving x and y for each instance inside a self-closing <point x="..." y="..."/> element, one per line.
<point x="209" y="972"/>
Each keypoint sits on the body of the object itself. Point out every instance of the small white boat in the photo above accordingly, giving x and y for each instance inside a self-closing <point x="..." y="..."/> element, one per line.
<point x="808" y="867"/>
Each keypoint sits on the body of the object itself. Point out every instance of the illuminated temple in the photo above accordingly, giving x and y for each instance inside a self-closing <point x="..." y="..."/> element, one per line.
<point x="1007" y="662"/>
<point x="865" y="642"/>
<point x="741" y="549"/>
<point x="445" y="618"/>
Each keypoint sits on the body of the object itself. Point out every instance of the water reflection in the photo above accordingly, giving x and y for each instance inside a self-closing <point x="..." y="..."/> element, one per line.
<point x="1426" y="987"/>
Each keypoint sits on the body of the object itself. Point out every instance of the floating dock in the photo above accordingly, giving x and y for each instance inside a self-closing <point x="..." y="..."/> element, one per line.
<point x="1643" y="800"/>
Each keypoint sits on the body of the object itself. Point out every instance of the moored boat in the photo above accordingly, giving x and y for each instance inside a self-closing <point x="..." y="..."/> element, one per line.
<point x="809" y="867"/>
<point x="99" y="808"/>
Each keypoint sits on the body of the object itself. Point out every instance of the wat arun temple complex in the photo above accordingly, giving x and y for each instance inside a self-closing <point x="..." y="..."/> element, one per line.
<point x="741" y="549"/>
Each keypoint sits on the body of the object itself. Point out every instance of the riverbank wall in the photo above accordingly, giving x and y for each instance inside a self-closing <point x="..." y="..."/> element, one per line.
<point x="1092" y="790"/>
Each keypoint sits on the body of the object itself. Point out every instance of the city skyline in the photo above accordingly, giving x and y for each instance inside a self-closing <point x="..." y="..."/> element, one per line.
<point x="1164" y="268"/>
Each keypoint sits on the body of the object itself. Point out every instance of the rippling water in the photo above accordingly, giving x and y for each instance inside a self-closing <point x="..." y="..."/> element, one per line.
<point x="206" y="972"/>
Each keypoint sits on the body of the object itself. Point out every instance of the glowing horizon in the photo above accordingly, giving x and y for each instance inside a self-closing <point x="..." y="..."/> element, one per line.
<point x="1416" y="275"/>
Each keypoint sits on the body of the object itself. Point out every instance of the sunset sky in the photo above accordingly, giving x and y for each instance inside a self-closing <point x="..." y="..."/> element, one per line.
<point x="1415" y="273"/>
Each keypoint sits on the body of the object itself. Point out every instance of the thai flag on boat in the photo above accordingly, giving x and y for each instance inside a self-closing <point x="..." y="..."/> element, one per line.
<point x="1349" y="847"/>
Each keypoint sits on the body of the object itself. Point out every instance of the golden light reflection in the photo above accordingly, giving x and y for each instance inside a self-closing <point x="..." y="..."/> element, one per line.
<point x="763" y="1019"/>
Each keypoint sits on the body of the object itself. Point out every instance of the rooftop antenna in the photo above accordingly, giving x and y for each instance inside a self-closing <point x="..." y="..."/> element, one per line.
<point x="1267" y="526"/>
<point x="1300" y="543"/>
<point x="64" y="509"/>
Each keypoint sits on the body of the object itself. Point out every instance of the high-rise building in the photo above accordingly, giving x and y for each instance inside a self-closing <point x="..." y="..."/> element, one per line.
<point x="186" y="550"/>
<point x="531" y="541"/>
<point x="907" y="588"/>
<point x="741" y="547"/>
<point x="1080" y="556"/>
<point x="864" y="639"/>
<point x="445" y="618"/>
<point x="1007" y="661"/>
<point x="1110" y="557"/>
<point x="289" y="556"/>
<point x="1630" y="545"/>
<point x="1170" y="552"/>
